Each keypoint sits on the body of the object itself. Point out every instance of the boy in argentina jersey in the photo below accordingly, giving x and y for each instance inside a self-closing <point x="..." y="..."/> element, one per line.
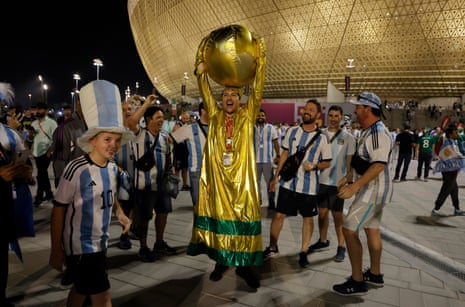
<point x="86" y="197"/>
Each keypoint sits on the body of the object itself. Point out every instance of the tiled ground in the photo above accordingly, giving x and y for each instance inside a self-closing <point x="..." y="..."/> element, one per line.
<point x="416" y="251"/>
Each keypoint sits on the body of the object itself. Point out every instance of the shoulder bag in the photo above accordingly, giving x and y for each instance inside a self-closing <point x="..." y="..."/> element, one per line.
<point x="292" y="163"/>
<point x="147" y="161"/>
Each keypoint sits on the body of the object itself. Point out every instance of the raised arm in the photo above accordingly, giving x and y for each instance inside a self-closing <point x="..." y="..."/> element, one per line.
<point x="259" y="80"/>
<point x="133" y="121"/>
<point x="202" y="78"/>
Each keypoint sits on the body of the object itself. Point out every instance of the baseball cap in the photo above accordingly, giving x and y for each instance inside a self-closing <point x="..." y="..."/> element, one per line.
<point x="369" y="99"/>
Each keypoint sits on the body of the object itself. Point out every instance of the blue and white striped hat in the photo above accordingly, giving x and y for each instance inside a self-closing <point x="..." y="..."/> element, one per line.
<point x="371" y="100"/>
<point x="101" y="106"/>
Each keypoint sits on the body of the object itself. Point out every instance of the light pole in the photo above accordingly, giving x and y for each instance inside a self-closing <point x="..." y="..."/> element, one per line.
<point x="30" y="98"/>
<point x="98" y="63"/>
<point x="45" y="93"/>
<point x="137" y="88"/>
<point x="41" y="80"/>
<point x="76" y="77"/>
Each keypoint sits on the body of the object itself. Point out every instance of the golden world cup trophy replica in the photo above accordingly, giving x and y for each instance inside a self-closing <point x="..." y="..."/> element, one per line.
<point x="230" y="54"/>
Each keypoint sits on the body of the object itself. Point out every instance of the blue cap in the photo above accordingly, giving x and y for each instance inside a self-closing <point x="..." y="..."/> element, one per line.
<point x="369" y="99"/>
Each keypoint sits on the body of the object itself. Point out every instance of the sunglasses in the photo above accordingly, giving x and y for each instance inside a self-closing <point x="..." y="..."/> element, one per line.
<point x="368" y="99"/>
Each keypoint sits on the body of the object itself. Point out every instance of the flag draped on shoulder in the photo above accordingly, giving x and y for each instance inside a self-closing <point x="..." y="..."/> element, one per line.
<point x="450" y="158"/>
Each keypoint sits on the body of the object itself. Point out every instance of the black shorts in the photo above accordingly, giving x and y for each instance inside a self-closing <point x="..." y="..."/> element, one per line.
<point x="148" y="201"/>
<point x="327" y="198"/>
<point x="180" y="156"/>
<point x="127" y="204"/>
<point x="89" y="273"/>
<point x="291" y="203"/>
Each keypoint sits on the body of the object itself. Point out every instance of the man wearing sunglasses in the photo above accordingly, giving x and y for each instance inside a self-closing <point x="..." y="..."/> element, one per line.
<point x="373" y="190"/>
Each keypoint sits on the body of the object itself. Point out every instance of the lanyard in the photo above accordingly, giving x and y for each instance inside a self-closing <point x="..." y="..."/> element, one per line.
<point x="229" y="132"/>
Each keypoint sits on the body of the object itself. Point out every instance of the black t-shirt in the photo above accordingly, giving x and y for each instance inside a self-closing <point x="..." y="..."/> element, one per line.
<point x="405" y="139"/>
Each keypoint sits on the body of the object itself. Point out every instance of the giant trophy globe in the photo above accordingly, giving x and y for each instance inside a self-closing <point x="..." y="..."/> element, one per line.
<point x="230" y="56"/>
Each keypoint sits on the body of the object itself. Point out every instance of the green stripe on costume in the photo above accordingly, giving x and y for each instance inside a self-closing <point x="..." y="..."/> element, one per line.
<point x="228" y="227"/>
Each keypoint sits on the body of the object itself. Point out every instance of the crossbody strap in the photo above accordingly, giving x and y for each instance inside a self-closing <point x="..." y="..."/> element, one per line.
<point x="312" y="140"/>
<point x="201" y="128"/>
<point x="43" y="131"/>
<point x="335" y="135"/>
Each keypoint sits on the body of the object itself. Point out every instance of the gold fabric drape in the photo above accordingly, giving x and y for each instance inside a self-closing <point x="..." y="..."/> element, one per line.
<point x="227" y="219"/>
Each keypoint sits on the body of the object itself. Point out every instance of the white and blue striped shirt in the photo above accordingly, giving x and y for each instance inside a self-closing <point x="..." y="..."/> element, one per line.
<point x="149" y="180"/>
<point x="125" y="158"/>
<point x="295" y="139"/>
<point x="195" y="143"/>
<point x="264" y="147"/>
<point x="88" y="192"/>
<point x="11" y="142"/>
<point x="375" y="145"/>
<point x="342" y="145"/>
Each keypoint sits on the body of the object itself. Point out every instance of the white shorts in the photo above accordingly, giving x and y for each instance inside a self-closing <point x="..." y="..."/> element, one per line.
<point x="363" y="215"/>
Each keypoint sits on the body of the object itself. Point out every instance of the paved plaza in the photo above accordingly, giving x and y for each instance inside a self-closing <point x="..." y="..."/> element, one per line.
<point x="423" y="262"/>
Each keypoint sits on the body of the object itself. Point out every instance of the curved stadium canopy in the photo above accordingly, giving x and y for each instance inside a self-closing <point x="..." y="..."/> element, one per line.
<point x="406" y="49"/>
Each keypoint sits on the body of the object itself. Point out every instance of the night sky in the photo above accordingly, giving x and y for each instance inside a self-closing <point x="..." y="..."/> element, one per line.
<point x="56" y="39"/>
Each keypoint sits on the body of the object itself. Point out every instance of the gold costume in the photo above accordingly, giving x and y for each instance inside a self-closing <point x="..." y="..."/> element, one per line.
<point x="227" y="219"/>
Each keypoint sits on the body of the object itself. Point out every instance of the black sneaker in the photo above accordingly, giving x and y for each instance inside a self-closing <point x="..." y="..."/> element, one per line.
<point x="246" y="273"/>
<point x="124" y="242"/>
<point x="341" y="254"/>
<point x="38" y="202"/>
<point x="351" y="288"/>
<point x="303" y="261"/>
<point x="372" y="279"/>
<point x="146" y="255"/>
<point x="269" y="253"/>
<point x="66" y="279"/>
<point x="163" y="248"/>
<point x="459" y="212"/>
<point x="217" y="273"/>
<point x="319" y="246"/>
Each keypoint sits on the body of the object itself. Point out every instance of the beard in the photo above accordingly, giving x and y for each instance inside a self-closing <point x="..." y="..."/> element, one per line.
<point x="260" y="121"/>
<point x="308" y="120"/>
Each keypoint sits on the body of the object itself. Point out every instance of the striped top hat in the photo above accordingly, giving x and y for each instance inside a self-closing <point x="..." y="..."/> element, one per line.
<point x="101" y="106"/>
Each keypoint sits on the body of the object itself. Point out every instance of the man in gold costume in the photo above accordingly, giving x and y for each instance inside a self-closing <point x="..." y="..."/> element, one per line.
<point x="227" y="220"/>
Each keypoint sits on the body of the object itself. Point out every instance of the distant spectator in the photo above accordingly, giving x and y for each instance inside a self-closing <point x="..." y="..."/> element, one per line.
<point x="406" y="144"/>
